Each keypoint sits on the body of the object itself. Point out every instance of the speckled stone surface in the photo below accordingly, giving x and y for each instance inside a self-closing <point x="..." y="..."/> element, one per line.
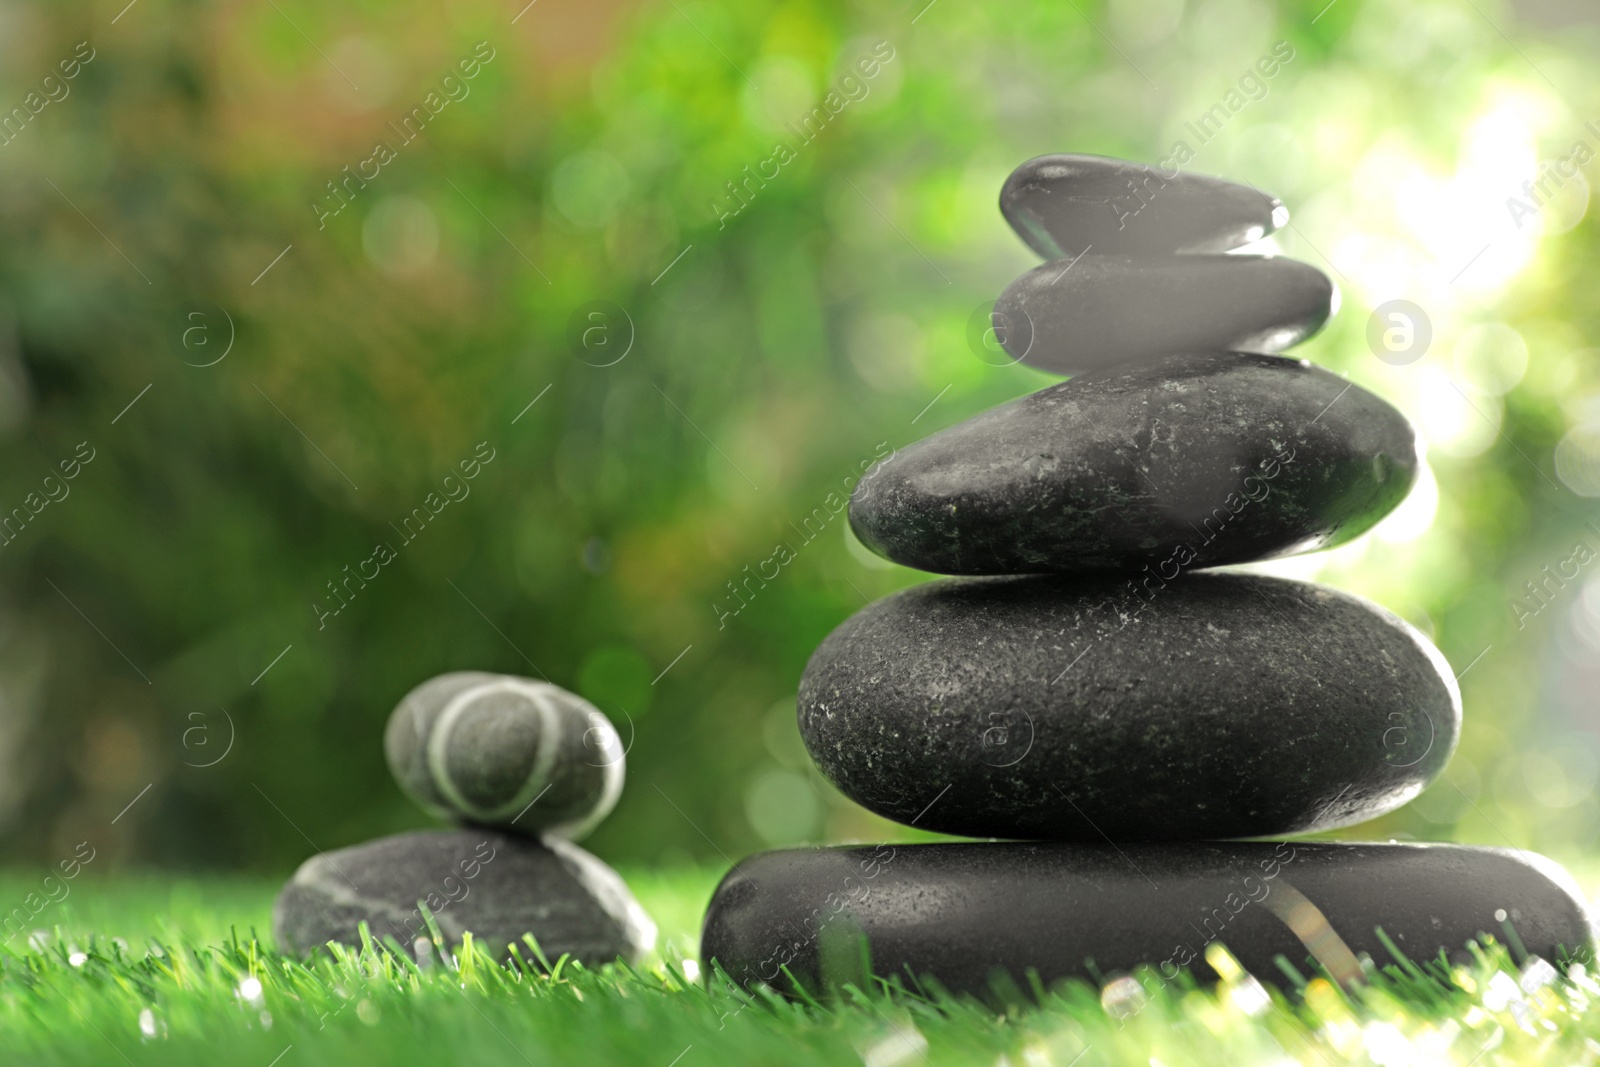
<point x="1062" y="204"/>
<point x="498" y="750"/>
<point x="1105" y="312"/>
<point x="1212" y="706"/>
<point x="499" y="886"/>
<point x="962" y="912"/>
<point x="1191" y="462"/>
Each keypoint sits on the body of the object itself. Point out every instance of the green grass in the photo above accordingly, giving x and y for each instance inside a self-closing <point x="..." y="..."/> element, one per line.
<point x="150" y="970"/>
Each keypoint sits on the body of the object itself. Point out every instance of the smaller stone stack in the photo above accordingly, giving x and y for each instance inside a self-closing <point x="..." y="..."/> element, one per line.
<point x="1089" y="692"/>
<point x="525" y="768"/>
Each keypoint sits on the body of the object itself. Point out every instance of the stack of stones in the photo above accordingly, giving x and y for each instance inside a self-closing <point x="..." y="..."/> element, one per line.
<point x="526" y="768"/>
<point x="1088" y="692"/>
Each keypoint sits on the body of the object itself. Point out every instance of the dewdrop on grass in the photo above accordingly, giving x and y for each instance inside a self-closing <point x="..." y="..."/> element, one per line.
<point x="1578" y="975"/>
<point x="1503" y="991"/>
<point x="150" y="1026"/>
<point x="1244" y="991"/>
<point x="1123" y="997"/>
<point x="1386" y="1045"/>
<point x="249" y="991"/>
<point x="1536" y="974"/>
<point x="1250" y="996"/>
<point x="902" y="1044"/>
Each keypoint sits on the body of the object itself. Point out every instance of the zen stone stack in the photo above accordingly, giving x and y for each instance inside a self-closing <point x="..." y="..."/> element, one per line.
<point x="1083" y="690"/>
<point x="526" y="767"/>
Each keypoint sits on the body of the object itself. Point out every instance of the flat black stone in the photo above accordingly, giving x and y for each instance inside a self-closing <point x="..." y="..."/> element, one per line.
<point x="499" y="886"/>
<point x="1062" y="204"/>
<point x="960" y="913"/>
<point x="1191" y="462"/>
<point x="1106" y="312"/>
<point x="1213" y="706"/>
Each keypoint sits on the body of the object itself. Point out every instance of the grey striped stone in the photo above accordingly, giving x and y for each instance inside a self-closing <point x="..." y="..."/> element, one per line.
<point x="498" y="750"/>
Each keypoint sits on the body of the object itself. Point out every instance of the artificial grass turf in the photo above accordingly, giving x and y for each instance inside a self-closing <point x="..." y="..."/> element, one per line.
<point x="157" y="970"/>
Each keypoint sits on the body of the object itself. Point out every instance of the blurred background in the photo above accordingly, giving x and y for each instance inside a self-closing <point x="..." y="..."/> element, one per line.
<point x="275" y="275"/>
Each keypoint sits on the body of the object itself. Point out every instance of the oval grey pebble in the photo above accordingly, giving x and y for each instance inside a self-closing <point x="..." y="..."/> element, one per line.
<point x="498" y="750"/>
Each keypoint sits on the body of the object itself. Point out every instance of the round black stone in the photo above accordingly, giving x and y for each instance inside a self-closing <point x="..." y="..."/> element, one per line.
<point x="1212" y="706"/>
<point x="1191" y="462"/>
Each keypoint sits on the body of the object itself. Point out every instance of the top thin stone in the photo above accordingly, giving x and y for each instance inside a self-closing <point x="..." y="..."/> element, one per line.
<point x="1065" y="205"/>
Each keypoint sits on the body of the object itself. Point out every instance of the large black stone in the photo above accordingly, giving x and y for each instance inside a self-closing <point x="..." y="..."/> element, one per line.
<point x="1105" y="312"/>
<point x="1191" y="462"/>
<point x="1215" y="705"/>
<point x="499" y="886"/>
<point x="960" y="913"/>
<point x="1062" y="204"/>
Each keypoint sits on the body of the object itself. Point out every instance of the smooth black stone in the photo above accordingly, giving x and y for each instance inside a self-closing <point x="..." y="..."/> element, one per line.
<point x="1106" y="312"/>
<point x="1212" y="706"/>
<point x="1062" y="204"/>
<point x="1191" y="462"/>
<point x="499" y="886"/>
<point x="961" y="913"/>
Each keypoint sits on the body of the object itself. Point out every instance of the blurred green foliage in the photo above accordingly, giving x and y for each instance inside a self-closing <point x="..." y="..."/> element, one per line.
<point x="164" y="609"/>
